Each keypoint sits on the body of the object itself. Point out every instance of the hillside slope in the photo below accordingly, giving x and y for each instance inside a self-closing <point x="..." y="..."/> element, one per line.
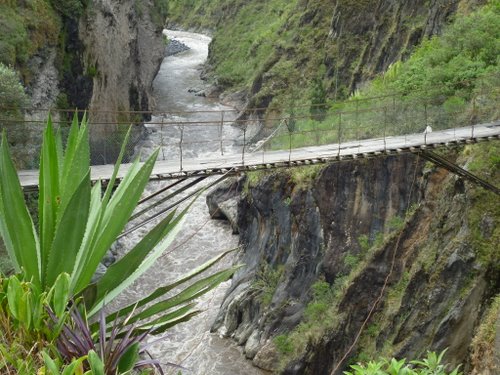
<point x="99" y="55"/>
<point x="282" y="53"/>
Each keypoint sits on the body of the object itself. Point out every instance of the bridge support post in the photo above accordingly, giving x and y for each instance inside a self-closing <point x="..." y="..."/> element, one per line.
<point x="181" y="129"/>
<point x="385" y="129"/>
<point x="244" y="142"/>
<point x="339" y="134"/>
<point x="162" y="145"/>
<point x="221" y="132"/>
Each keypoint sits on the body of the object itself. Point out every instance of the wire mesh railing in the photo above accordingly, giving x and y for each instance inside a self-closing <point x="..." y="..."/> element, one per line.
<point x="204" y="134"/>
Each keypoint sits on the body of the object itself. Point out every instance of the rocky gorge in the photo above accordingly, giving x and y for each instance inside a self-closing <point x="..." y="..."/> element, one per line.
<point x="276" y="61"/>
<point x="342" y="263"/>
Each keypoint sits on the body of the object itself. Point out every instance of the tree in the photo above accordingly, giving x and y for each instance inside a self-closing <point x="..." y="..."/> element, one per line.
<point x="318" y="96"/>
<point x="12" y="95"/>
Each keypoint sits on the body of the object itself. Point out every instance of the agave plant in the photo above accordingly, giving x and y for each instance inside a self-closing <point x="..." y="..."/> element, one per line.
<point x="118" y="352"/>
<point x="78" y="224"/>
<point x="24" y="331"/>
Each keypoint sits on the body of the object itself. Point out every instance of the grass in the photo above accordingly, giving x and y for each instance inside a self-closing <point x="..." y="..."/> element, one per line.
<point x="267" y="281"/>
<point x="483" y="216"/>
<point x="303" y="176"/>
<point x="283" y="343"/>
<point x="252" y="180"/>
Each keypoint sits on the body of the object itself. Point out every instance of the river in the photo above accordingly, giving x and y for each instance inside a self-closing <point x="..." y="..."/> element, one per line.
<point x="190" y="345"/>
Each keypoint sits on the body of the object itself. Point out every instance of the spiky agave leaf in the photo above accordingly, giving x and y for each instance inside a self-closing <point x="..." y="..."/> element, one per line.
<point x="16" y="226"/>
<point x="78" y="226"/>
<point x="117" y="351"/>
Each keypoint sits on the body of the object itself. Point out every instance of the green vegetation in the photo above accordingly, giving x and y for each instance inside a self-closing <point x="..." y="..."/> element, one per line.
<point x="25" y="28"/>
<point x="427" y="366"/>
<point x="69" y="8"/>
<point x="285" y="63"/>
<point x="38" y="335"/>
<point x="318" y="315"/>
<point x="323" y="297"/>
<point x="266" y="283"/>
<point x="159" y="12"/>
<point x="55" y="263"/>
<point x="303" y="176"/>
<point x="252" y="179"/>
<point x="244" y="43"/>
<point x="454" y="67"/>
<point x="12" y="95"/>
<point x="296" y="55"/>
<point x="283" y="344"/>
<point x="322" y="314"/>
<point x="483" y="346"/>
<point x="24" y="332"/>
<point x="484" y="217"/>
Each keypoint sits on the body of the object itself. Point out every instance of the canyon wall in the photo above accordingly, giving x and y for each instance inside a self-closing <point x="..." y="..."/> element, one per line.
<point x="103" y="59"/>
<point x="320" y="247"/>
<point x="123" y="50"/>
<point x="279" y="59"/>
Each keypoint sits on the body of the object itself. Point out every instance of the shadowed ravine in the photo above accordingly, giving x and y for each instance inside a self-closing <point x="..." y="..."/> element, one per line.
<point x="190" y="345"/>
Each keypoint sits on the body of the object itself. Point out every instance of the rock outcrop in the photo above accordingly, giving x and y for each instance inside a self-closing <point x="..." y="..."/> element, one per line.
<point x="105" y="63"/>
<point x="432" y="270"/>
<point x="123" y="49"/>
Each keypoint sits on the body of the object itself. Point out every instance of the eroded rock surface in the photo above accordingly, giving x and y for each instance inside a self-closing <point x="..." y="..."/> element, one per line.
<point x="433" y="279"/>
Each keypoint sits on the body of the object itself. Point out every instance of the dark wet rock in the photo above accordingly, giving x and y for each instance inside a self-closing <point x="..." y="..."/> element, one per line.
<point x="223" y="201"/>
<point x="101" y="270"/>
<point x="108" y="259"/>
<point x="175" y="47"/>
<point x="305" y="232"/>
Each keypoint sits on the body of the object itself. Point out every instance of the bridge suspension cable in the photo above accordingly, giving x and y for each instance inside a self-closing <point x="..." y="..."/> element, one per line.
<point x="457" y="170"/>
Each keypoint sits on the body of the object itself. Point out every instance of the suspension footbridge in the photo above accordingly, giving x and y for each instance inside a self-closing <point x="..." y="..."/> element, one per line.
<point x="203" y="143"/>
<point x="268" y="159"/>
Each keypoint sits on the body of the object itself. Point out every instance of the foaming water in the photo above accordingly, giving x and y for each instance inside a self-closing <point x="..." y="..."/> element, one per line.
<point x="190" y="344"/>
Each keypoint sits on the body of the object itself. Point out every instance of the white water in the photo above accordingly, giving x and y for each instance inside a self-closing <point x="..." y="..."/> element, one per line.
<point x="190" y="345"/>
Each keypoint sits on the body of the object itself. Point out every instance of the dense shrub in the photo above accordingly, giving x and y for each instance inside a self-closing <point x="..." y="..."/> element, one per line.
<point x="431" y="365"/>
<point x="455" y="64"/>
<point x="69" y="8"/>
<point x="12" y="95"/>
<point x="25" y="28"/>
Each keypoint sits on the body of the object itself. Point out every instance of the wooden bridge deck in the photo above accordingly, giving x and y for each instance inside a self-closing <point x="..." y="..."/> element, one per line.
<point x="299" y="156"/>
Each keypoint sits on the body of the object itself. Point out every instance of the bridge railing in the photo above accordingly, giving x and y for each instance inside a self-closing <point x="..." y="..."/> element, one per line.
<point x="200" y="134"/>
<point x="356" y="121"/>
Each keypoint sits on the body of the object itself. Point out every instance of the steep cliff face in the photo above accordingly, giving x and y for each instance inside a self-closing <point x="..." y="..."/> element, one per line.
<point x="365" y="37"/>
<point x="319" y="254"/>
<point x="122" y="51"/>
<point x="101" y="56"/>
